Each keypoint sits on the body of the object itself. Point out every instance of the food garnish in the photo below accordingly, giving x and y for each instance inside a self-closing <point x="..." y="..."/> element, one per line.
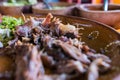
<point x="7" y="28"/>
<point x="19" y="2"/>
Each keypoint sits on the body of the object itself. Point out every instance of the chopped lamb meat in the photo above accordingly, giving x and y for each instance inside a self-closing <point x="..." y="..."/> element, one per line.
<point x="46" y="44"/>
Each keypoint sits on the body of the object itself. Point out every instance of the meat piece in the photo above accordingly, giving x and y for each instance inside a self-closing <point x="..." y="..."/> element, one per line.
<point x="63" y="38"/>
<point x="37" y="30"/>
<point x="73" y="52"/>
<point x="54" y="29"/>
<point x="48" y="61"/>
<point x="28" y="61"/>
<point x="104" y="57"/>
<point x="94" y="56"/>
<point x="77" y="65"/>
<point x="61" y="67"/>
<point x="68" y="30"/>
<point x="48" y="41"/>
<point x="12" y="42"/>
<point x="36" y="39"/>
<point x="75" y="42"/>
<point x="23" y="30"/>
<point x="25" y="39"/>
<point x="117" y="77"/>
<point x="54" y="77"/>
<point x="32" y="21"/>
<point x="56" y="20"/>
<point x="70" y="66"/>
<point x="47" y="20"/>
<point x="85" y="48"/>
<point x="94" y="66"/>
<point x="53" y="49"/>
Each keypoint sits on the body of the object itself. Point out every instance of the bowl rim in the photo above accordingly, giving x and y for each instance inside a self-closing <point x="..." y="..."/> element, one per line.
<point x="34" y="7"/>
<point x="82" y="7"/>
<point x="18" y="6"/>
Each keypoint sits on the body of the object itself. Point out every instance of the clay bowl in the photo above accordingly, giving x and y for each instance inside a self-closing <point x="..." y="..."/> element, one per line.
<point x="106" y="36"/>
<point x="63" y="8"/>
<point x="96" y="12"/>
<point x="14" y="10"/>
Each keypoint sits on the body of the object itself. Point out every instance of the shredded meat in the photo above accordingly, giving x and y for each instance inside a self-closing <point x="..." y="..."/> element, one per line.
<point x="47" y="49"/>
<point x="28" y="63"/>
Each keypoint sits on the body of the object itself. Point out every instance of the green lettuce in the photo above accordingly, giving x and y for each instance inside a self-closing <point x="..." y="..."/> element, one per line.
<point x="7" y="28"/>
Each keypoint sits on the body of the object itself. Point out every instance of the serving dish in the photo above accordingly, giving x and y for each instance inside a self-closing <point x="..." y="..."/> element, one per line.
<point x="17" y="8"/>
<point x="106" y="35"/>
<point x="10" y="9"/>
<point x="60" y="8"/>
<point x="96" y="12"/>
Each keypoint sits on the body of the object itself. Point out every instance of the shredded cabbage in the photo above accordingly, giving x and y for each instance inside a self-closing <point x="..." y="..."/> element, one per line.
<point x="7" y="27"/>
<point x="9" y="22"/>
<point x="19" y="2"/>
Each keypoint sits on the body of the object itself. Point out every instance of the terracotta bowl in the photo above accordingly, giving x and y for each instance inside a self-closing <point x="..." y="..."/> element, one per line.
<point x="14" y="10"/>
<point x="96" y="12"/>
<point x="64" y="10"/>
<point x="106" y="36"/>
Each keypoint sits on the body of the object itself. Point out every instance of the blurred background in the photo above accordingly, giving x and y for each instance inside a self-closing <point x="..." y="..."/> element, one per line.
<point x="78" y="1"/>
<point x="85" y="1"/>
